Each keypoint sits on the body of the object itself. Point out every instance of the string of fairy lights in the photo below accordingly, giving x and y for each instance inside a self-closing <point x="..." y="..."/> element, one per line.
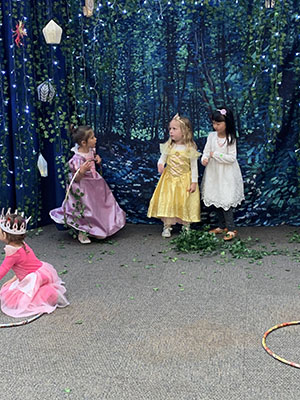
<point x="77" y="61"/>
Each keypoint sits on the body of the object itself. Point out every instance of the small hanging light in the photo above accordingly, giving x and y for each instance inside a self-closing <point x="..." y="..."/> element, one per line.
<point x="88" y="8"/>
<point x="269" y="3"/>
<point x="52" y="32"/>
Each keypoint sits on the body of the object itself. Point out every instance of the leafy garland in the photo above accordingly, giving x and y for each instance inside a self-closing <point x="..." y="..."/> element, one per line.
<point x="77" y="213"/>
<point x="206" y="243"/>
<point x="4" y="126"/>
<point x="76" y="83"/>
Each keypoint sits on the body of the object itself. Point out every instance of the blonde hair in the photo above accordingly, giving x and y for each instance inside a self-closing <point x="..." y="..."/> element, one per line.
<point x="187" y="131"/>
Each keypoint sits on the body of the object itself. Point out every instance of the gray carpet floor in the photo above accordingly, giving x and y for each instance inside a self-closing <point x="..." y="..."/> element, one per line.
<point x="145" y="322"/>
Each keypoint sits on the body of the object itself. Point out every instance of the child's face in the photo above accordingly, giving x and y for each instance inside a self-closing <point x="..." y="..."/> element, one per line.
<point x="220" y="127"/>
<point x="175" y="132"/>
<point x="91" y="142"/>
<point x="2" y="236"/>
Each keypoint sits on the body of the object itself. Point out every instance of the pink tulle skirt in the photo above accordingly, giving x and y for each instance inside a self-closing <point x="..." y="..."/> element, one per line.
<point x="39" y="292"/>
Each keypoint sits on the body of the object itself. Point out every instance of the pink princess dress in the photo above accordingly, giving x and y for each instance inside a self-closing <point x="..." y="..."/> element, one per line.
<point x="90" y="206"/>
<point x="37" y="289"/>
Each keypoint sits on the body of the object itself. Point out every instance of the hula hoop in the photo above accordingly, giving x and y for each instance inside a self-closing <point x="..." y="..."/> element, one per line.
<point x="270" y="352"/>
<point x="69" y="188"/>
<point x="67" y="195"/>
<point x="21" y="323"/>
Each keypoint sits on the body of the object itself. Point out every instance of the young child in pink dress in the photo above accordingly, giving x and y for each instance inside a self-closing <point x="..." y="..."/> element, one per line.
<point x="90" y="206"/>
<point x="36" y="287"/>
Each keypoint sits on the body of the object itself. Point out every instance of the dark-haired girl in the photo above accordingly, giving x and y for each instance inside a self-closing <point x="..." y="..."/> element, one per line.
<point x="222" y="184"/>
<point x="90" y="207"/>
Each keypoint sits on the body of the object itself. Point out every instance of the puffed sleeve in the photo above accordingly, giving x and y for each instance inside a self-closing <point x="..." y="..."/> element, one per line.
<point x="193" y="154"/>
<point x="75" y="163"/>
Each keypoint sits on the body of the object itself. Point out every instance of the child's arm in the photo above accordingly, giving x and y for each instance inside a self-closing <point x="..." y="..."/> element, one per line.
<point x="7" y="264"/>
<point x="206" y="152"/>
<point x="194" y="173"/>
<point x="97" y="159"/>
<point x="9" y="281"/>
<point x="228" y="158"/>
<point x="161" y="163"/>
<point x="86" y="166"/>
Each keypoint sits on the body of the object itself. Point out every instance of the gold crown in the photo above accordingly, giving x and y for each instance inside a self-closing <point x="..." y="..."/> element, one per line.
<point x="9" y="226"/>
<point x="178" y="118"/>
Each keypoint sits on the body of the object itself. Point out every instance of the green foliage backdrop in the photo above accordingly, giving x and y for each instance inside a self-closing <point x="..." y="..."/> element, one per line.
<point x="126" y="71"/>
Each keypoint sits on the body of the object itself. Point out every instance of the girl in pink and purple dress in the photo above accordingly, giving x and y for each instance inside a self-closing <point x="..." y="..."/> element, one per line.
<point x="35" y="287"/>
<point x="90" y="206"/>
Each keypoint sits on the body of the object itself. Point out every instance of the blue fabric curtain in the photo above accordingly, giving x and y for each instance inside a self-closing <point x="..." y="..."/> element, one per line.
<point x="126" y="71"/>
<point x="24" y="119"/>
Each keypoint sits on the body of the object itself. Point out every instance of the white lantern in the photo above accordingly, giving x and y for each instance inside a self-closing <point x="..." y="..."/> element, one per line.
<point x="88" y="9"/>
<point x="52" y="33"/>
<point x="42" y="166"/>
<point x="45" y="91"/>
<point x="269" y="3"/>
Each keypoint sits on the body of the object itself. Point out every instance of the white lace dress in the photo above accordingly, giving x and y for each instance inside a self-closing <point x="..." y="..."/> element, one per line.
<point x="222" y="183"/>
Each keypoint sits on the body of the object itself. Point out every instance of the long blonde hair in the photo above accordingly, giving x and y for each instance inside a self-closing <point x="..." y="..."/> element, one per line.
<point x="187" y="131"/>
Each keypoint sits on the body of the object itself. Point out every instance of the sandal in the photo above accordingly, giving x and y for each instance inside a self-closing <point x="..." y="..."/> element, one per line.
<point x="166" y="233"/>
<point x="218" y="230"/>
<point x="230" y="235"/>
<point x="83" y="238"/>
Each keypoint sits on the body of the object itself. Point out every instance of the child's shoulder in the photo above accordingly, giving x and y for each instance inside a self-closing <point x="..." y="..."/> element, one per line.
<point x="212" y="133"/>
<point x="165" y="148"/>
<point x="76" y="155"/>
<point x="76" y="158"/>
<point x="192" y="152"/>
<point x="11" y="250"/>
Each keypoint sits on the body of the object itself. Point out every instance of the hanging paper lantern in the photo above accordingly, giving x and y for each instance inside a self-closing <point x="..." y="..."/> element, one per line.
<point x="45" y="91"/>
<point x="88" y="9"/>
<point x="269" y="3"/>
<point x="42" y="166"/>
<point x="52" y="33"/>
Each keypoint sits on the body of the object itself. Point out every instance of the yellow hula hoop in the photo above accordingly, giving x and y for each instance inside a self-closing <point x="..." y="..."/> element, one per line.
<point x="270" y="352"/>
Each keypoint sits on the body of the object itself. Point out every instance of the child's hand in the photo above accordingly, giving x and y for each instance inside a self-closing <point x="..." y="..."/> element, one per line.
<point x="211" y="154"/>
<point x="97" y="159"/>
<point x="193" y="187"/>
<point x="205" y="162"/>
<point x="160" y="168"/>
<point x="86" y="166"/>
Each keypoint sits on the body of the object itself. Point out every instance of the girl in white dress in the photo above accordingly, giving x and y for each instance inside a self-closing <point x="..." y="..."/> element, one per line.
<point x="222" y="184"/>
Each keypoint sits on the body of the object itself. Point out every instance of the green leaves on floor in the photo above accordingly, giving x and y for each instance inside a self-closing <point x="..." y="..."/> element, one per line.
<point x="207" y="243"/>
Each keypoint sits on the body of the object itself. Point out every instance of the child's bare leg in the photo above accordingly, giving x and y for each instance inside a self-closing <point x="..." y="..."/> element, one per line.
<point x="186" y="226"/>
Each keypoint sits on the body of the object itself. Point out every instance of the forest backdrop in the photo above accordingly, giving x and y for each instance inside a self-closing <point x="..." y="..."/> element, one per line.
<point x="131" y="66"/>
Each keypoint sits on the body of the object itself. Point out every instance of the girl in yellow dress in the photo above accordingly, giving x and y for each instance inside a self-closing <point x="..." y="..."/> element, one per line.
<point x="176" y="198"/>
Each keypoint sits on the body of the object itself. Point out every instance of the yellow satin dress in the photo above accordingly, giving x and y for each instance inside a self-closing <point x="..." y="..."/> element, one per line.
<point x="171" y="200"/>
